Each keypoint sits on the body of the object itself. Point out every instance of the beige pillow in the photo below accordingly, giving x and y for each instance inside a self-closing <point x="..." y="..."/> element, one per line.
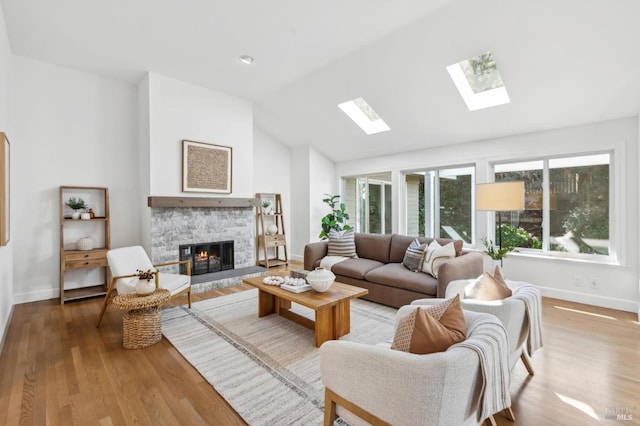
<point x="430" y="329"/>
<point x="436" y="255"/>
<point x="490" y="287"/>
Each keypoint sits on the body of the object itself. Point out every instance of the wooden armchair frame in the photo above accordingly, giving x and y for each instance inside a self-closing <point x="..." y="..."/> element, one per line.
<point x="113" y="281"/>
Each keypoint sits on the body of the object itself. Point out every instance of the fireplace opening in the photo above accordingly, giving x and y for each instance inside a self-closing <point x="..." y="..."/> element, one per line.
<point x="207" y="257"/>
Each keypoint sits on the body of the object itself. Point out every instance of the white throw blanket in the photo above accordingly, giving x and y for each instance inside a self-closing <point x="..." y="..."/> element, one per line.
<point x="533" y="307"/>
<point x="493" y="350"/>
<point x="327" y="262"/>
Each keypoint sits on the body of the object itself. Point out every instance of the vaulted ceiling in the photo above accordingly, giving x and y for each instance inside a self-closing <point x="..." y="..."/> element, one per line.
<point x="563" y="62"/>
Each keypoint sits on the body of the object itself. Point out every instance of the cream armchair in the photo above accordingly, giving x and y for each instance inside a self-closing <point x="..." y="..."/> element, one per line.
<point x="125" y="261"/>
<point x="378" y="385"/>
<point x="510" y="311"/>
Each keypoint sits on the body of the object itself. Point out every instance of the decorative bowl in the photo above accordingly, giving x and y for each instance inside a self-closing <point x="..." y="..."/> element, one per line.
<point x="320" y="279"/>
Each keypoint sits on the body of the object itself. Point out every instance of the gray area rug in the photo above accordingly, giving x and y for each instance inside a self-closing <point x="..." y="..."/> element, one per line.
<point x="266" y="368"/>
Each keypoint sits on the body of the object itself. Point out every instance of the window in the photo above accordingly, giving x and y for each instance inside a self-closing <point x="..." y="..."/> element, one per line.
<point x="439" y="203"/>
<point x="368" y="201"/>
<point x="567" y="204"/>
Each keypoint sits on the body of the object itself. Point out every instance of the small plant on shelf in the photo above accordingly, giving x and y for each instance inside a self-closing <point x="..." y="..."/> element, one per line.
<point x="76" y="204"/>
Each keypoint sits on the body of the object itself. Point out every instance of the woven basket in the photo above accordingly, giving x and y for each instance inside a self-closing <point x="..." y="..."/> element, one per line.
<point x="141" y="328"/>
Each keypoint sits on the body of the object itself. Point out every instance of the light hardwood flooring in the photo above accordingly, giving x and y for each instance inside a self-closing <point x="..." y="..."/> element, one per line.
<point x="57" y="368"/>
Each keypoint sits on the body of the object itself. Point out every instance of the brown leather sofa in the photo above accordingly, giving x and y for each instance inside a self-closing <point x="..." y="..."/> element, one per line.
<point x="379" y="268"/>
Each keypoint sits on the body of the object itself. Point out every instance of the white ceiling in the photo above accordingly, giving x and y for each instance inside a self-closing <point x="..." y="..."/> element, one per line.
<point x="564" y="62"/>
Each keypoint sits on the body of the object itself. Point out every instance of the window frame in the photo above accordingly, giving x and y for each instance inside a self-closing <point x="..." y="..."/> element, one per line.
<point x="614" y="209"/>
<point x="436" y="191"/>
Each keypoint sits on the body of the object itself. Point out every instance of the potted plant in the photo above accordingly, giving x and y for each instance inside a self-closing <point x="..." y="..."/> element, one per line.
<point x="496" y="253"/>
<point x="335" y="219"/>
<point x="266" y="206"/>
<point x="77" y="205"/>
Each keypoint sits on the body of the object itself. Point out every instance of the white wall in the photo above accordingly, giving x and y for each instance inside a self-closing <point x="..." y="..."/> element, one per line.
<point x="617" y="284"/>
<point x="178" y="111"/>
<point x="272" y="173"/>
<point x="322" y="180"/>
<point x="70" y="128"/>
<point x="312" y="176"/>
<point x="300" y="218"/>
<point x="144" y="165"/>
<point x="6" y="252"/>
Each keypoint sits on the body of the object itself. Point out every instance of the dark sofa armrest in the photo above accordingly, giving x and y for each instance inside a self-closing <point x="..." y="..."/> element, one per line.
<point x="468" y="265"/>
<point x="314" y="252"/>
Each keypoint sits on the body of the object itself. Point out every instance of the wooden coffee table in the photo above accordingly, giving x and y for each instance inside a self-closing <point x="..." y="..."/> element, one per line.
<point x="332" y="308"/>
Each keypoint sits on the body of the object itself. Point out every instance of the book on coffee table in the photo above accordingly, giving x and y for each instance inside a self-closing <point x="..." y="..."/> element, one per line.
<point x="296" y="288"/>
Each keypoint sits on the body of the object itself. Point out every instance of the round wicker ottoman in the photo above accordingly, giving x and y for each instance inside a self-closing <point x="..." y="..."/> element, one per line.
<point x="142" y="323"/>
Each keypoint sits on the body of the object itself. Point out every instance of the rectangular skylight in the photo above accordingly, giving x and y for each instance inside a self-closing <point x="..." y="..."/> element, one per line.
<point x="479" y="82"/>
<point x="364" y="116"/>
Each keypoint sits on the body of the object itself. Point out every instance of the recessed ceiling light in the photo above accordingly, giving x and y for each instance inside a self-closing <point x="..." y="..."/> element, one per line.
<point x="364" y="116"/>
<point x="479" y="82"/>
<point x="246" y="59"/>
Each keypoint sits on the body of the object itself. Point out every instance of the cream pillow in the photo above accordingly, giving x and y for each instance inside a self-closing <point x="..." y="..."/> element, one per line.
<point x="436" y="255"/>
<point x="429" y="329"/>
<point x="489" y="287"/>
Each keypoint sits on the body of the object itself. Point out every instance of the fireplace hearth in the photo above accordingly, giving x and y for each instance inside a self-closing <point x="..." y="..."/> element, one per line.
<point x="209" y="257"/>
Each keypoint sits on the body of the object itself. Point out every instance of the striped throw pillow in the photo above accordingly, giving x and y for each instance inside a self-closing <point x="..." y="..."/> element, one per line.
<point x="413" y="256"/>
<point x="342" y="243"/>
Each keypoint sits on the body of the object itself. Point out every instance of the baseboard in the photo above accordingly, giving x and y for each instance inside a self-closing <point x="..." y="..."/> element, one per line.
<point x="6" y="328"/>
<point x="297" y="258"/>
<point x="591" y="299"/>
<point x="36" y="296"/>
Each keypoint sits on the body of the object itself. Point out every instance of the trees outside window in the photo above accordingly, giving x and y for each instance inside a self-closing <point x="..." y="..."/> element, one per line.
<point x="571" y="195"/>
<point x="439" y="203"/>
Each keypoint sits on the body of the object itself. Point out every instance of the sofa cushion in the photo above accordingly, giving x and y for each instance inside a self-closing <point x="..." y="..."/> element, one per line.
<point x="435" y="256"/>
<point x="342" y="243"/>
<point x="373" y="246"/>
<point x="413" y="256"/>
<point x="399" y="244"/>
<point x="431" y="329"/>
<point x="396" y="275"/>
<point x="356" y="268"/>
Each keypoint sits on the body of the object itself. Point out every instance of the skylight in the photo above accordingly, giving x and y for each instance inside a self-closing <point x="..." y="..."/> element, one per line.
<point x="364" y="116"/>
<point x="479" y="82"/>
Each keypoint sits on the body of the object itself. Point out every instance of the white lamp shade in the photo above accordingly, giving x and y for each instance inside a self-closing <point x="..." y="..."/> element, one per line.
<point x="500" y="196"/>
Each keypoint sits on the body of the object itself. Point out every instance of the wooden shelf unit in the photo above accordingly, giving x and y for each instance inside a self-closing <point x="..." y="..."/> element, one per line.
<point x="271" y="249"/>
<point x="73" y="259"/>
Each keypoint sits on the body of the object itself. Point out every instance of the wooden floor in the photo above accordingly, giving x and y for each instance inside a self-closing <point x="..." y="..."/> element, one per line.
<point x="57" y="368"/>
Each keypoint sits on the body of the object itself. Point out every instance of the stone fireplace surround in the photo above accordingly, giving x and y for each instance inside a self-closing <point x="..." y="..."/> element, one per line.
<point x="172" y="226"/>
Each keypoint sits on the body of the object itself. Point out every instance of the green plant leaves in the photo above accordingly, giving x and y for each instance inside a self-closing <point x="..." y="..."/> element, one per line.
<point x="335" y="219"/>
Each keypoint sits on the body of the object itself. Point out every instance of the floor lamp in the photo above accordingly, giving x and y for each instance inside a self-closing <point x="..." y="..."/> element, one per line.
<point x="500" y="197"/>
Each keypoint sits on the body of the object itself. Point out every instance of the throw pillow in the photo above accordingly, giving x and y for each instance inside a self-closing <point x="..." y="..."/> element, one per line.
<point x="435" y="256"/>
<point x="430" y="329"/>
<point x="413" y="256"/>
<point x="497" y="274"/>
<point x="489" y="287"/>
<point x="342" y="243"/>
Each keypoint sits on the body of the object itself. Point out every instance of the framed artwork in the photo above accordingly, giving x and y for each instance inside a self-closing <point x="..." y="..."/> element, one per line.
<point x="5" y="163"/>
<point x="206" y="167"/>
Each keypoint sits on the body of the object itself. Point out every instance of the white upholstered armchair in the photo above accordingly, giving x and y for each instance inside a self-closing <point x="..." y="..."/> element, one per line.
<point x="384" y="386"/>
<point x="126" y="261"/>
<point x="512" y="311"/>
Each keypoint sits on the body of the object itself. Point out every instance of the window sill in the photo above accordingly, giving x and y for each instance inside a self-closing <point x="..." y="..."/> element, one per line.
<point x="596" y="260"/>
<point x="600" y="260"/>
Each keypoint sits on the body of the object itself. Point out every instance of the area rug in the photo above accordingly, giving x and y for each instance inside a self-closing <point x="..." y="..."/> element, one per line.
<point x="266" y="368"/>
